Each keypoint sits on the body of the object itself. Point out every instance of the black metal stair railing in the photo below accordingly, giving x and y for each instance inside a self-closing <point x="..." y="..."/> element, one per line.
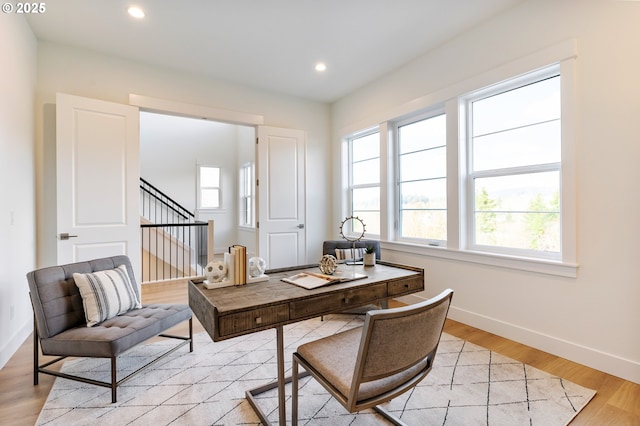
<point x="172" y="251"/>
<point x="174" y="245"/>
<point x="158" y="207"/>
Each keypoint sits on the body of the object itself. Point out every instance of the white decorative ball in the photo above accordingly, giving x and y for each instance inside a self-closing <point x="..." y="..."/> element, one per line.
<point x="215" y="271"/>
<point x="257" y="266"/>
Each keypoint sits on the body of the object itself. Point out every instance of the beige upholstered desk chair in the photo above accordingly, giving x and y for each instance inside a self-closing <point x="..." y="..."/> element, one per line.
<point x="367" y="366"/>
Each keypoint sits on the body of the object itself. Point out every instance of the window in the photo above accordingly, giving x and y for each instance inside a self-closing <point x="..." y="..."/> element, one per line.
<point x="513" y="166"/>
<point x="246" y="196"/>
<point x="482" y="171"/>
<point x="364" y="150"/>
<point x="422" y="179"/>
<point x="208" y="187"/>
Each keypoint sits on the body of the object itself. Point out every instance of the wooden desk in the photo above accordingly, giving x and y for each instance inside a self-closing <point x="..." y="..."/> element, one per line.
<point x="233" y="311"/>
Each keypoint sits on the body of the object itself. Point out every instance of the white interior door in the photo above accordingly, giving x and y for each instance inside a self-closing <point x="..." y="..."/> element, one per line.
<point x="281" y="196"/>
<point x="97" y="180"/>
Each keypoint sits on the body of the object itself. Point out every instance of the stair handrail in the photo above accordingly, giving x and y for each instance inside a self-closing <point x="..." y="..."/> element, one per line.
<point x="175" y="207"/>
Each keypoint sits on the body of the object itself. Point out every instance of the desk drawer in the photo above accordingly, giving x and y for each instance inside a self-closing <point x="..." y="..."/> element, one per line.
<point x="258" y="318"/>
<point x="337" y="301"/>
<point x="397" y="288"/>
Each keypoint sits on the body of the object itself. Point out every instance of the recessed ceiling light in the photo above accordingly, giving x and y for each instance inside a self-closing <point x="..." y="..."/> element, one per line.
<point x="136" y="12"/>
<point x="321" y="67"/>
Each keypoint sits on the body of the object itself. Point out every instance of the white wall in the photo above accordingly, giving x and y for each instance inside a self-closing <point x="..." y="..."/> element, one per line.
<point x="17" y="187"/>
<point x="593" y="319"/>
<point x="171" y="146"/>
<point x="90" y="74"/>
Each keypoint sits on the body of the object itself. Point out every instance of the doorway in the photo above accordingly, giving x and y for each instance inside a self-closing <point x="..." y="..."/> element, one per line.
<point x="173" y="149"/>
<point x="274" y="150"/>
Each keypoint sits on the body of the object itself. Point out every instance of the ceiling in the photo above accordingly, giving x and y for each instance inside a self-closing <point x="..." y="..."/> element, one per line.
<point x="271" y="45"/>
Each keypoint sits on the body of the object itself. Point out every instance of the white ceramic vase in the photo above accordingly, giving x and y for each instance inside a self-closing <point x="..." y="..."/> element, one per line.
<point x="369" y="259"/>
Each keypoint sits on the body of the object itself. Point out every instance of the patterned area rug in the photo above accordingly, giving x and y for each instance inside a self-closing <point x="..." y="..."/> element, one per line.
<point x="468" y="385"/>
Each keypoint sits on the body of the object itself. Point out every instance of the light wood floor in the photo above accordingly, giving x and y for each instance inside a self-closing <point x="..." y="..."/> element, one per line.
<point x="617" y="401"/>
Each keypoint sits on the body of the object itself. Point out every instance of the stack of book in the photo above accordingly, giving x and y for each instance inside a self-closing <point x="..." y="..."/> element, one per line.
<point x="236" y="260"/>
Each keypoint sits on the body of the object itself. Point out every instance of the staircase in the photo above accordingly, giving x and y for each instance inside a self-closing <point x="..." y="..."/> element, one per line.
<point x="174" y="245"/>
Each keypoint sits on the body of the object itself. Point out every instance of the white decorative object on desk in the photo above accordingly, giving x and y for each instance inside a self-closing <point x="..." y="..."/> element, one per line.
<point x="328" y="264"/>
<point x="229" y="261"/>
<point x="257" y="266"/>
<point x="215" y="271"/>
<point x="369" y="259"/>
<point x="221" y="284"/>
<point x="257" y="279"/>
<point x="352" y="229"/>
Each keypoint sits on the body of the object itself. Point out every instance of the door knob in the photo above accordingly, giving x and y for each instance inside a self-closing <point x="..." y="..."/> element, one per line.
<point x="66" y="236"/>
<point x="301" y="226"/>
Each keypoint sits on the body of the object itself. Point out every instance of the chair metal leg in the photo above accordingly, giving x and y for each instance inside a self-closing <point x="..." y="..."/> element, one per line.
<point x="36" y="350"/>
<point x="387" y="415"/>
<point x="114" y="381"/>
<point x="294" y="392"/>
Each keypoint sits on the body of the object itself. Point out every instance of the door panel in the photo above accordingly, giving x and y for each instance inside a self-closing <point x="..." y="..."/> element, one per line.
<point x="283" y="183"/>
<point x="97" y="174"/>
<point x="98" y="202"/>
<point x="281" y="196"/>
<point x="89" y="251"/>
<point x="281" y="246"/>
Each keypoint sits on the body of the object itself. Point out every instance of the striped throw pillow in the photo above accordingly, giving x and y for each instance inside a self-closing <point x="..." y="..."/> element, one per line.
<point x="350" y="254"/>
<point x="106" y="294"/>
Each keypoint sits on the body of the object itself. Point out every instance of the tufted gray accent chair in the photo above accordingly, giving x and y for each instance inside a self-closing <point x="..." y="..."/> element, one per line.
<point x="61" y="330"/>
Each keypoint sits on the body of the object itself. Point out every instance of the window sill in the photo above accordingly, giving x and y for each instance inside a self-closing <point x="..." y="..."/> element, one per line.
<point x="212" y="210"/>
<point x="504" y="261"/>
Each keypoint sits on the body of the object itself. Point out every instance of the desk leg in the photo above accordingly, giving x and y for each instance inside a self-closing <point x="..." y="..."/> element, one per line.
<point x="250" y="394"/>
<point x="282" y="415"/>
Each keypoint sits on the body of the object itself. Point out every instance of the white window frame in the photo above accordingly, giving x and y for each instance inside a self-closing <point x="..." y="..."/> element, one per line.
<point x="351" y="186"/>
<point x="246" y="178"/>
<point x="199" y="188"/>
<point x="563" y="55"/>
<point x="431" y="113"/>
<point x="471" y="176"/>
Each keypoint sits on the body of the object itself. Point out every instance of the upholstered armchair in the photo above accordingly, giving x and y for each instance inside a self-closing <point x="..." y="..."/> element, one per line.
<point x="367" y="366"/>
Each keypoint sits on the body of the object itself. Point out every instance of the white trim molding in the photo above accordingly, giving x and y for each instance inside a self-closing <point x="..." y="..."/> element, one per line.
<point x="594" y="358"/>
<point x="14" y="343"/>
<point x="148" y="103"/>
<point x="549" y="267"/>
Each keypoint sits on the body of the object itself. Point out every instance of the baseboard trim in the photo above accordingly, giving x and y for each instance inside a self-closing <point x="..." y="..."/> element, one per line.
<point x="593" y="358"/>
<point x="14" y="343"/>
<point x="410" y="299"/>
